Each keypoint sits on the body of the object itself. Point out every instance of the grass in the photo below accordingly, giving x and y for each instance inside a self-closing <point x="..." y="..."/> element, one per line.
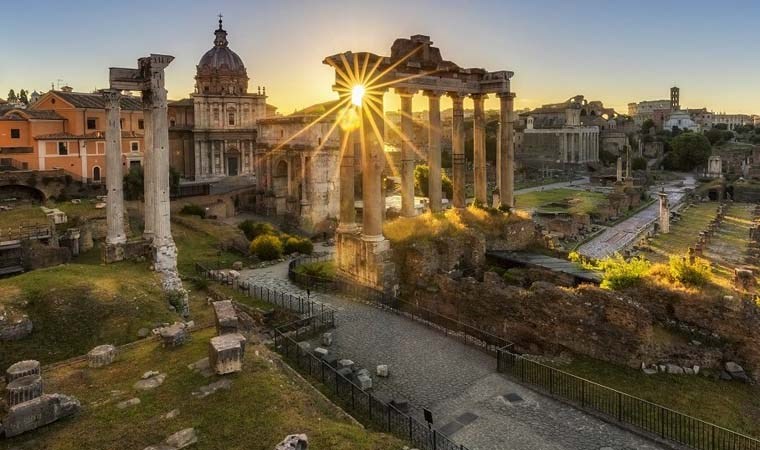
<point x="732" y="405"/>
<point x="202" y="243"/>
<point x="561" y="200"/>
<point x="263" y="405"/>
<point x="322" y="269"/>
<point x="27" y="214"/>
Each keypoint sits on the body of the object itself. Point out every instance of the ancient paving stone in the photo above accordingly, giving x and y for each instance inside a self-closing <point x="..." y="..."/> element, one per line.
<point x="102" y="355"/>
<point x="22" y="369"/>
<point x="202" y="366"/>
<point x="225" y="353"/>
<point x="23" y="389"/>
<point x="182" y="438"/>
<point x="150" y="382"/>
<point x="127" y="403"/>
<point x="38" y="412"/>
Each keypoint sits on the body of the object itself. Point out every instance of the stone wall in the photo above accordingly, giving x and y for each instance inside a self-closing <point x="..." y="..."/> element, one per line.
<point x="37" y="255"/>
<point x="368" y="263"/>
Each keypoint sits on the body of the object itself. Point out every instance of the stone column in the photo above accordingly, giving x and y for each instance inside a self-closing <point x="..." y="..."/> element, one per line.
<point x="347" y="220"/>
<point x="114" y="176"/>
<point x="479" y="149"/>
<point x="619" y="174"/>
<point x="407" y="153"/>
<point x="457" y="149"/>
<point x="149" y="191"/>
<point x="434" y="150"/>
<point x="507" y="162"/>
<point x="664" y="213"/>
<point x="373" y="161"/>
<point x="197" y="148"/>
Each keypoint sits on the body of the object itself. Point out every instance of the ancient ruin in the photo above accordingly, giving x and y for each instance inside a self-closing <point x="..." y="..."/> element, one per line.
<point x="413" y="66"/>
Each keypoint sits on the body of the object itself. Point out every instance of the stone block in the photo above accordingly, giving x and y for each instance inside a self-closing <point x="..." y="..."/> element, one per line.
<point x="151" y="382"/>
<point x="293" y="442"/>
<point x="674" y="369"/>
<point x="225" y="317"/>
<point x="23" y="389"/>
<point x="304" y="346"/>
<point x="237" y="265"/>
<point x="39" y="412"/>
<point x="127" y="403"/>
<point x="320" y="352"/>
<point x="174" y="335"/>
<point x="345" y="364"/>
<point x="14" y="330"/>
<point x="330" y="359"/>
<point x="383" y="370"/>
<point x="225" y="353"/>
<point x="22" y="369"/>
<point x="345" y="372"/>
<point x="327" y="339"/>
<point x="182" y="438"/>
<point x="100" y="356"/>
<point x="364" y="381"/>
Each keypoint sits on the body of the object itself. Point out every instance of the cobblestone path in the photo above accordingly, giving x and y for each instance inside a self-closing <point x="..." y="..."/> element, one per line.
<point x="452" y="379"/>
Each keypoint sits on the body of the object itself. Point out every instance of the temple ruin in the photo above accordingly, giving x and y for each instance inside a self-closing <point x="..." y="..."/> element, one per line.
<point x="413" y="66"/>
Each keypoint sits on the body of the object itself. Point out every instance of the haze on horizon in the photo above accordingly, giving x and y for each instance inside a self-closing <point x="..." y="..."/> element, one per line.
<point x="557" y="49"/>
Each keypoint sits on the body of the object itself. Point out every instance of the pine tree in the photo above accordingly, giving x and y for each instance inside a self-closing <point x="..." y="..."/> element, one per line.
<point x="12" y="96"/>
<point x="22" y="97"/>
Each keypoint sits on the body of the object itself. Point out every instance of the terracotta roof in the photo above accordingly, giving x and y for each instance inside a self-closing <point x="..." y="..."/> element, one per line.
<point x="2" y="102"/>
<point x="96" y="100"/>
<point x="22" y="114"/>
<point x="98" y="135"/>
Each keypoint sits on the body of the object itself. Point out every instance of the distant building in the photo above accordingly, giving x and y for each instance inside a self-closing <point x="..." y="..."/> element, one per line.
<point x="656" y="110"/>
<point x="732" y="120"/>
<point x="682" y="120"/>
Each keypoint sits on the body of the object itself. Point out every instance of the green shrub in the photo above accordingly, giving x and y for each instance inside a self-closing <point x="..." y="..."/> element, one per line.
<point x="253" y="229"/>
<point x="621" y="274"/>
<point x="324" y="270"/>
<point x="267" y="247"/>
<point x="696" y="274"/>
<point x="191" y="209"/>
<point x="300" y="245"/>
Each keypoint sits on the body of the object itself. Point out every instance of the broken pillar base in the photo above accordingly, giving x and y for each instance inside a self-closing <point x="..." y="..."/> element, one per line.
<point x="366" y="262"/>
<point x="38" y="412"/>
<point x="165" y="263"/>
<point x="225" y="353"/>
<point x="114" y="252"/>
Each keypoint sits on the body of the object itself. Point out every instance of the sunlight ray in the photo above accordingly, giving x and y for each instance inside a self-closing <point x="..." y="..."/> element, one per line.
<point x="395" y="64"/>
<point x="302" y="130"/>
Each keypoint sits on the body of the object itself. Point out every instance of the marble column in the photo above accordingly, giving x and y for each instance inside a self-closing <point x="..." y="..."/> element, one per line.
<point x="149" y="191"/>
<point x="114" y="175"/>
<point x="160" y="129"/>
<point x="434" y="150"/>
<point x="507" y="162"/>
<point x="479" y="149"/>
<point x="407" y="153"/>
<point x="373" y="162"/>
<point x="197" y="148"/>
<point x="457" y="149"/>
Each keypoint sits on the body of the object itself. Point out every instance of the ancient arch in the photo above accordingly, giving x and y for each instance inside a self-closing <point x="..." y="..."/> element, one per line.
<point x="22" y="192"/>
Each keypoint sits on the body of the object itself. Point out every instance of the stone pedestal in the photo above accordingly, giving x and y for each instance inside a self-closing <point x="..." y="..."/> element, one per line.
<point x="113" y="252"/>
<point x="100" y="356"/>
<point x="225" y="317"/>
<point x="174" y="335"/>
<point x="23" y="389"/>
<point x="664" y="213"/>
<point x="225" y="353"/>
<point x="38" y="412"/>
<point x="366" y="262"/>
<point x="22" y="369"/>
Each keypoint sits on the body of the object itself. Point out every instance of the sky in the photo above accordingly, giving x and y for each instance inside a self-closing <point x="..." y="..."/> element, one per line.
<point x="614" y="51"/>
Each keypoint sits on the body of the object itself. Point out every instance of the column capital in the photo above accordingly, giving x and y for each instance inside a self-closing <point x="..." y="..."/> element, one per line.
<point x="478" y="96"/>
<point x="432" y="94"/>
<point x="508" y="95"/>
<point x="456" y="96"/>
<point x="405" y="92"/>
<point x="112" y="97"/>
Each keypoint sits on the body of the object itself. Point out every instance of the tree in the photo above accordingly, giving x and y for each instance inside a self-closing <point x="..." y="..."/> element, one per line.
<point x="689" y="150"/>
<point x="721" y="126"/>
<point x="12" y="96"/>
<point x="22" y="97"/>
<point x="646" y="126"/>
<point x="421" y="176"/>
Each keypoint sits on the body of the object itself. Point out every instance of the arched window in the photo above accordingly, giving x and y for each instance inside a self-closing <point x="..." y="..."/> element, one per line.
<point x="96" y="173"/>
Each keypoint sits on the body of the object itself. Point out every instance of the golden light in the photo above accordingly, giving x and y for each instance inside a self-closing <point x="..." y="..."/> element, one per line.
<point x="357" y="93"/>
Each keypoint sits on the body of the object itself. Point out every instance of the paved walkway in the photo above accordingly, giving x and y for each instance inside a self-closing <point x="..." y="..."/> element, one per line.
<point x="548" y="187"/>
<point x="454" y="381"/>
<point x="617" y="237"/>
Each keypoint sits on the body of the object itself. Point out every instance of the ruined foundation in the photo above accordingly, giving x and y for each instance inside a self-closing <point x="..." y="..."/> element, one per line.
<point x="366" y="262"/>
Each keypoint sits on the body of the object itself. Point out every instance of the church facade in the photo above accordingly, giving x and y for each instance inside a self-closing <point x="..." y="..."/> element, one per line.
<point x="213" y="133"/>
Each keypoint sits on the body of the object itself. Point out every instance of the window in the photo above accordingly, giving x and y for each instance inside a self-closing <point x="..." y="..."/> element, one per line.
<point x="216" y="115"/>
<point x="63" y="148"/>
<point x="231" y="119"/>
<point x="15" y="133"/>
<point x="135" y="146"/>
<point x="121" y="123"/>
<point x="172" y="123"/>
<point x="141" y="124"/>
<point x="96" y="173"/>
<point x="92" y="123"/>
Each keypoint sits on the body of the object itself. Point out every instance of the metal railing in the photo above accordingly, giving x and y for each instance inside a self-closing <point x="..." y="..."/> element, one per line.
<point x="468" y="334"/>
<point x="651" y="418"/>
<point x="364" y="406"/>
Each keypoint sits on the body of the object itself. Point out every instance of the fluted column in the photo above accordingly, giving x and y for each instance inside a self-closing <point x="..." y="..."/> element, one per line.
<point x="347" y="219"/>
<point x="457" y="149"/>
<point x="479" y="149"/>
<point x="197" y="153"/>
<point x="114" y="175"/>
<point x="373" y="162"/>
<point x="149" y="191"/>
<point x="160" y="128"/>
<point x="434" y="150"/>
<point x="407" y="154"/>
<point x="507" y="162"/>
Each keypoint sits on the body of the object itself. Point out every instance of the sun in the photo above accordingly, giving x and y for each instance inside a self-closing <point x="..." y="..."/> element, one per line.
<point x="357" y="93"/>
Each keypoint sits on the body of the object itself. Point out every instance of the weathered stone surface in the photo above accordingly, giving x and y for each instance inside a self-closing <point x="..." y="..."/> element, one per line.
<point x="205" y="391"/>
<point x="225" y="317"/>
<point x="182" y="438"/>
<point x="102" y="355"/>
<point x="39" y="412"/>
<point x="174" y="335"/>
<point x="364" y="380"/>
<point x="736" y="371"/>
<point x="383" y="370"/>
<point x="151" y="382"/>
<point x="320" y="352"/>
<point x="327" y="339"/>
<point x="22" y="369"/>
<point x="127" y="403"/>
<point x="674" y="369"/>
<point x="15" y="329"/>
<point x="304" y="346"/>
<point x="294" y="442"/>
<point x="202" y="366"/>
<point x="160" y="447"/>
<point x="225" y="353"/>
<point x="237" y="265"/>
<point x="171" y="414"/>
<point x="345" y="364"/>
<point x="23" y="389"/>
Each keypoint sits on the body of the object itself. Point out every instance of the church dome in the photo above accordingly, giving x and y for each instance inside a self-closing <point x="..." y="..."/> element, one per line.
<point x="221" y="71"/>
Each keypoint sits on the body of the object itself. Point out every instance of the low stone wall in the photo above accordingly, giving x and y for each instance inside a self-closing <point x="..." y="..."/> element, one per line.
<point x="38" y="256"/>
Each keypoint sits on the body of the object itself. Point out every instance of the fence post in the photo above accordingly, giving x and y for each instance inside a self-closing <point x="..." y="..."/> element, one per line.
<point x="389" y="417"/>
<point x="435" y="440"/>
<point x="410" y="430"/>
<point x="620" y="407"/>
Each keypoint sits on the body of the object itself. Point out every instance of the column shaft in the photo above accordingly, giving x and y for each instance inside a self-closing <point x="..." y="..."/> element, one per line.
<point x="373" y="161"/>
<point x="407" y="155"/>
<point x="479" y="150"/>
<point x="114" y="175"/>
<point x="149" y="191"/>
<point x="434" y="151"/>
<point x="162" y="228"/>
<point x="506" y="189"/>
<point x="347" y="222"/>
<point x="457" y="150"/>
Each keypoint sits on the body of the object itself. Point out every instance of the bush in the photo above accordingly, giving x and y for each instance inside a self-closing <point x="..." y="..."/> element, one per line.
<point x="252" y="229"/>
<point x="696" y="274"/>
<point x="300" y="245"/>
<point x="191" y="209"/>
<point x="324" y="270"/>
<point x="618" y="273"/>
<point x="267" y="247"/>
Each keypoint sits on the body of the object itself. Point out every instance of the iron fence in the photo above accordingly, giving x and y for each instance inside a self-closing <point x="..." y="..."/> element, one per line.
<point x="364" y="406"/>
<point x="468" y="334"/>
<point x="651" y="418"/>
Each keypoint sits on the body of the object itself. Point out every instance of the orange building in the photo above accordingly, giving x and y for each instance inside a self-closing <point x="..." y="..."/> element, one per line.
<point x="66" y="130"/>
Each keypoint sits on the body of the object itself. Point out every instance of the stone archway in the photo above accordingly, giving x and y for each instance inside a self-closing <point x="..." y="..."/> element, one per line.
<point x="22" y="192"/>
